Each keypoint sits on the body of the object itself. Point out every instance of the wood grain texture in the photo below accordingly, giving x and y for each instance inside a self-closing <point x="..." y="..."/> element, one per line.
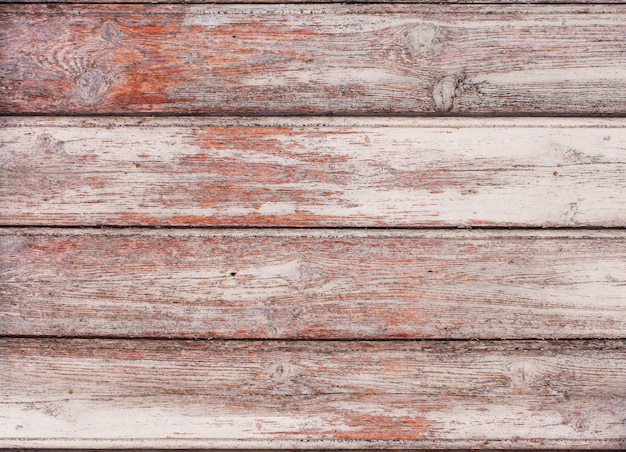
<point x="291" y="59"/>
<point x="312" y="394"/>
<point x="152" y="449"/>
<point x="313" y="284"/>
<point x="313" y="172"/>
<point x="308" y="2"/>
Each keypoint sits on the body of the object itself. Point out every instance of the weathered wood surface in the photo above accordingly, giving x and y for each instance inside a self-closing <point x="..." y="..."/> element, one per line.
<point x="313" y="172"/>
<point x="291" y="59"/>
<point x="319" y="294"/>
<point x="350" y="284"/>
<point x="308" y="2"/>
<point x="312" y="394"/>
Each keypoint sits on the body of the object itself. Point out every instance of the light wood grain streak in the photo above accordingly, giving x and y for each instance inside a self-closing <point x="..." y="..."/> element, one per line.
<point x="313" y="172"/>
<point x="312" y="59"/>
<point x="273" y="450"/>
<point x="341" y="394"/>
<point x="309" y="2"/>
<point x="303" y="284"/>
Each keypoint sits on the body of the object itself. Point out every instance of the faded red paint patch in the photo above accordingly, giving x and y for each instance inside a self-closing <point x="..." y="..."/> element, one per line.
<point x="378" y="427"/>
<point x="279" y="141"/>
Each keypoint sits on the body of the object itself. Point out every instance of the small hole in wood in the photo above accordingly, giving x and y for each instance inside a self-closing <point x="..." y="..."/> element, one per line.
<point x="137" y="165"/>
<point x="556" y="173"/>
<point x="233" y="273"/>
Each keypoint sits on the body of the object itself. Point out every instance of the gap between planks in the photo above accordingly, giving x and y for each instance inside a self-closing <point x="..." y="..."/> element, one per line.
<point x="455" y="233"/>
<point x="388" y="121"/>
<point x="321" y="340"/>
<point x="324" y="2"/>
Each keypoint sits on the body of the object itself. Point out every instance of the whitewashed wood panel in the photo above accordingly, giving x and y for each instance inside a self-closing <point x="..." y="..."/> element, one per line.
<point x="96" y="393"/>
<point x="313" y="172"/>
<point x="348" y="284"/>
<point x="312" y="59"/>
<point x="309" y="2"/>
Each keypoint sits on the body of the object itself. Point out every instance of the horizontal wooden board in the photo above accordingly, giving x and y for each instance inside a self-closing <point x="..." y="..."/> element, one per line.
<point x="308" y="2"/>
<point x="295" y="59"/>
<point x="313" y="172"/>
<point x="312" y="394"/>
<point x="312" y="284"/>
<point x="154" y="449"/>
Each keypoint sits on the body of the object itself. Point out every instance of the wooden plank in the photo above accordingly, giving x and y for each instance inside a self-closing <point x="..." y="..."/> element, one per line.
<point x="307" y="2"/>
<point x="313" y="172"/>
<point x="344" y="59"/>
<point x="277" y="450"/>
<point x="77" y="393"/>
<point x="348" y="284"/>
<point x="155" y="449"/>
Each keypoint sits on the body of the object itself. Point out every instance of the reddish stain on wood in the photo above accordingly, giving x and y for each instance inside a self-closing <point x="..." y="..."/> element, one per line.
<point x="347" y="285"/>
<point x="313" y="175"/>
<point x="339" y="285"/>
<point x="338" y="393"/>
<point x="371" y="427"/>
<point x="281" y="59"/>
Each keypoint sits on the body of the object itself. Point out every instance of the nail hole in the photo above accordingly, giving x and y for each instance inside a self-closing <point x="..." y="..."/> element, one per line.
<point x="233" y="273"/>
<point x="137" y="165"/>
<point x="556" y="173"/>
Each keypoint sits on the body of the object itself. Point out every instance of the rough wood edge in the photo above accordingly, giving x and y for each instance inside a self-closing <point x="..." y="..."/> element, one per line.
<point x="348" y="8"/>
<point x="146" y="445"/>
<point x="305" y="2"/>
<point x="406" y="233"/>
<point x="311" y="121"/>
<point x="277" y="450"/>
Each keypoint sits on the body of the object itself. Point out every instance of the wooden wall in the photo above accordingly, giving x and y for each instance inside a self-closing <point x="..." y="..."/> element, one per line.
<point x="333" y="225"/>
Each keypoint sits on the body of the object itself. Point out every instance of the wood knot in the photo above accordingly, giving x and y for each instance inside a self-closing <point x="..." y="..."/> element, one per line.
<point x="566" y="155"/>
<point x="49" y="144"/>
<point x="92" y="85"/>
<point x="110" y="32"/>
<point x="524" y="373"/>
<point x="577" y="422"/>
<point x="446" y="93"/>
<point x="425" y="40"/>
<point x="284" y="371"/>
